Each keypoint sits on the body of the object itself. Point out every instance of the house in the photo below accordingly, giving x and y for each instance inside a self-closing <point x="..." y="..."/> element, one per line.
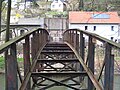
<point x="58" y="5"/>
<point x="25" y="24"/>
<point x="105" y="24"/>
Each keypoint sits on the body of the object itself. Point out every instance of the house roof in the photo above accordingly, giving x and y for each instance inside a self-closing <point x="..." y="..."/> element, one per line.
<point x="93" y="17"/>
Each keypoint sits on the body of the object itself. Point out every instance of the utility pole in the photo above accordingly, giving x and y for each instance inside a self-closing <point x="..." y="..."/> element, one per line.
<point x="0" y="16"/>
<point x="7" y="39"/>
<point x="92" y="6"/>
<point x="8" y="21"/>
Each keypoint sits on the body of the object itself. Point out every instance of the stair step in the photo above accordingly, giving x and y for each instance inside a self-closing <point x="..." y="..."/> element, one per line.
<point x="38" y="74"/>
<point x="58" y="61"/>
<point x="56" y="48"/>
<point x="56" y="45"/>
<point x="56" y="52"/>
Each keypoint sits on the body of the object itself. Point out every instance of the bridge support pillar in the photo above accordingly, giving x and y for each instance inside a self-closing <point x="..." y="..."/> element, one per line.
<point x="11" y="69"/>
<point x="109" y="68"/>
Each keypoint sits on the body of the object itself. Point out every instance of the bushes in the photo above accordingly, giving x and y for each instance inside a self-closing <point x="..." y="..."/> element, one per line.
<point x="2" y="62"/>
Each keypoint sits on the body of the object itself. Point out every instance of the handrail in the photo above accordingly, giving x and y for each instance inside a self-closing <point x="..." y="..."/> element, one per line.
<point x="102" y="39"/>
<point x="89" y="72"/>
<point x="19" y="38"/>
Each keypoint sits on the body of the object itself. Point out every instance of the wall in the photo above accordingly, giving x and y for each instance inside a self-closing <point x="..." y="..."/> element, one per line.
<point x="57" y="5"/>
<point x="101" y="29"/>
<point x="56" y="26"/>
<point x="56" y="23"/>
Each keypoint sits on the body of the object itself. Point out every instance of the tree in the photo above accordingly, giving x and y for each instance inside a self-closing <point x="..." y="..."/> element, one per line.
<point x="73" y="5"/>
<point x="0" y="17"/>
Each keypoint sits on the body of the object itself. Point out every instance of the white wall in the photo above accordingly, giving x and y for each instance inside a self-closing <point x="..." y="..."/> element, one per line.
<point x="57" y="5"/>
<point x="101" y="29"/>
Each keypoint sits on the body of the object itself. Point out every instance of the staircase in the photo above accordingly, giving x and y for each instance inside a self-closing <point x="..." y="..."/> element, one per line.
<point x="57" y="60"/>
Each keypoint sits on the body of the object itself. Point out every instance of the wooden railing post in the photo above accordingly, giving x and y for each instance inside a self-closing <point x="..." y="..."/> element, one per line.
<point x="91" y="53"/>
<point x="109" y="68"/>
<point x="82" y="48"/>
<point x="11" y="69"/>
<point x="26" y="56"/>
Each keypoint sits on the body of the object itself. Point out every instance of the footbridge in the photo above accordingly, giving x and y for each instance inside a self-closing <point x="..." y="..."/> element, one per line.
<point x="69" y="63"/>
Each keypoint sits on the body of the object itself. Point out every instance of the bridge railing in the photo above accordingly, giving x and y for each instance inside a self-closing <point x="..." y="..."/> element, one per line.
<point x="77" y="40"/>
<point x="33" y="41"/>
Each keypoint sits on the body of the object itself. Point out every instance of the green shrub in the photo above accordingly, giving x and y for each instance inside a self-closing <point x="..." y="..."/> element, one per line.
<point x="2" y="62"/>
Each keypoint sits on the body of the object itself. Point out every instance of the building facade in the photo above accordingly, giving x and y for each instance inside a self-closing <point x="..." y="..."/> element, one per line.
<point x="58" y="5"/>
<point x="105" y="24"/>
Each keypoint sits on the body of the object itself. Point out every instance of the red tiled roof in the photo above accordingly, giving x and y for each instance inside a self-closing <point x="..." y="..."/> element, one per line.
<point x="86" y="17"/>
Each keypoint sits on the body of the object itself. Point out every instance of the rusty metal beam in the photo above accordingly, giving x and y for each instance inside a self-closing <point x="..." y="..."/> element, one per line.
<point x="98" y="37"/>
<point x="89" y="72"/>
<point x="19" y="74"/>
<point x="28" y="74"/>
<point x="6" y="45"/>
<point x="57" y="52"/>
<point x="32" y="49"/>
<point x="51" y="85"/>
<point x="26" y="56"/>
<point x="0" y="16"/>
<point x="37" y="74"/>
<point x="8" y="21"/>
<point x="60" y="83"/>
<point x="109" y="68"/>
<point x="11" y="69"/>
<point x="82" y="50"/>
<point x="91" y="53"/>
<point x="59" y="60"/>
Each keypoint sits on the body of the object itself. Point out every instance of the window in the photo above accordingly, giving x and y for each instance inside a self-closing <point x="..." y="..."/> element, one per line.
<point x="112" y="38"/>
<point x="59" y="5"/>
<point x="86" y="27"/>
<point x="10" y="34"/>
<point x="56" y="1"/>
<point x="112" y="28"/>
<point x="21" y="32"/>
<point x="53" y="6"/>
<point x="101" y="16"/>
<point x="94" y="28"/>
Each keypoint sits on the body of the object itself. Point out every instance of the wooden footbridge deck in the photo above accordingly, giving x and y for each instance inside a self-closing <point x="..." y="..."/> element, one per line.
<point x="45" y="60"/>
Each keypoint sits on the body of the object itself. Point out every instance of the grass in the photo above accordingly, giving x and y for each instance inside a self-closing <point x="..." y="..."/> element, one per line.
<point x="2" y="62"/>
<point x="117" y="58"/>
